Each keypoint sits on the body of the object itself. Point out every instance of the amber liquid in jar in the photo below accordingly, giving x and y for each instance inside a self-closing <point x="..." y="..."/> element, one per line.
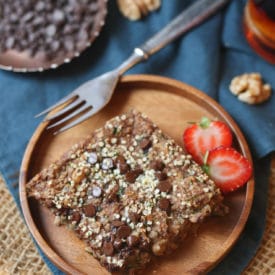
<point x="259" y="27"/>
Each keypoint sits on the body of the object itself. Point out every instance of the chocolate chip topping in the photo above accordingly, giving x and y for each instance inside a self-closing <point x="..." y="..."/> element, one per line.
<point x="124" y="231"/>
<point x="89" y="210"/>
<point x="165" y="186"/>
<point x="108" y="248"/>
<point x="144" y="245"/>
<point x="157" y="165"/>
<point x="134" y="217"/>
<point x="46" y="27"/>
<point x="92" y="158"/>
<point x="107" y="163"/>
<point x="76" y="217"/>
<point x="117" y="223"/>
<point x="49" y="203"/>
<point x="113" y="196"/>
<point x="164" y="204"/>
<point x="122" y="165"/>
<point x="124" y="168"/>
<point x="120" y="159"/>
<point x="145" y="144"/>
<point x="96" y="192"/>
<point x="161" y="175"/>
<point x="118" y="244"/>
<point x="133" y="174"/>
<point x="132" y="241"/>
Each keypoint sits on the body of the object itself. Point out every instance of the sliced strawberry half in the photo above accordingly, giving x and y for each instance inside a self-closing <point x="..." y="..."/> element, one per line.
<point x="205" y="136"/>
<point x="228" y="168"/>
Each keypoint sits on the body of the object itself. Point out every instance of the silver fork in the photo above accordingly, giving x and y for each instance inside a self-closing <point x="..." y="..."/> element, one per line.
<point x="92" y="96"/>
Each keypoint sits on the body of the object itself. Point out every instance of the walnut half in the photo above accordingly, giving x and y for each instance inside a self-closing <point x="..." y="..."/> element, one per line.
<point x="135" y="9"/>
<point x="250" y="88"/>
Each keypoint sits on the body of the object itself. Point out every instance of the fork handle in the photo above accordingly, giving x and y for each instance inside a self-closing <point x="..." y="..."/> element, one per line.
<point x="186" y="20"/>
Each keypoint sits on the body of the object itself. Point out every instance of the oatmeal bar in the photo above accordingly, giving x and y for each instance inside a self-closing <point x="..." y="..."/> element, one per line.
<point x="129" y="191"/>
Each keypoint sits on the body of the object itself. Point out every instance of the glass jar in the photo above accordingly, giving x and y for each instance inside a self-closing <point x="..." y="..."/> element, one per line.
<point x="259" y="27"/>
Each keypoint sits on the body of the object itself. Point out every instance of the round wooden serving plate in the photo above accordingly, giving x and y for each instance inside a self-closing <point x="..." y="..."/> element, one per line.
<point x="171" y="105"/>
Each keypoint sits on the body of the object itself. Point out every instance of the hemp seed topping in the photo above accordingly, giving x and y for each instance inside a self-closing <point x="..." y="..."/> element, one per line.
<point x="129" y="191"/>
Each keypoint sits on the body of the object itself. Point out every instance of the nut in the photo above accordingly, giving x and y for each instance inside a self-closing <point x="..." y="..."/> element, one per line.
<point x="250" y="88"/>
<point x="159" y="247"/>
<point x="78" y="175"/>
<point x="135" y="9"/>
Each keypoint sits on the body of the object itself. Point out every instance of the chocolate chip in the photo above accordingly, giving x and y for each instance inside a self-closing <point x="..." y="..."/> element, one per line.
<point x="40" y="20"/>
<point x="28" y="16"/>
<point x="111" y="238"/>
<point x="113" y="196"/>
<point x="134" y="217"/>
<point x="122" y="165"/>
<point x="132" y="241"/>
<point x="55" y="45"/>
<point x="123" y="168"/>
<point x="10" y="42"/>
<point x="124" y="231"/>
<point x="37" y="21"/>
<point x="40" y="6"/>
<point x="51" y="30"/>
<point x="108" y="248"/>
<point x="165" y="186"/>
<point x="161" y="175"/>
<point x="96" y="192"/>
<point x="117" y="223"/>
<point x="164" y="204"/>
<point x="89" y="210"/>
<point x="92" y="158"/>
<point x="157" y="165"/>
<point x="107" y="163"/>
<point x="68" y="44"/>
<point x="93" y="7"/>
<point x="13" y="18"/>
<point x="145" y="144"/>
<point x="127" y="130"/>
<point x="120" y="159"/>
<point x="118" y="244"/>
<point x="64" y="211"/>
<point x="144" y="245"/>
<point x="132" y="175"/>
<point x="83" y="35"/>
<point x="58" y="16"/>
<point x="76" y="217"/>
<point x="49" y="203"/>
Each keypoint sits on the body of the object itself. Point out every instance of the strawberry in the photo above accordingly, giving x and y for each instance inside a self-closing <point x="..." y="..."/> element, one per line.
<point x="228" y="168"/>
<point x="205" y="136"/>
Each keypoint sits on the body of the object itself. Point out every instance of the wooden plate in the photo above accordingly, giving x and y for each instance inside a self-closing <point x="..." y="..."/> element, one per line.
<point x="171" y="105"/>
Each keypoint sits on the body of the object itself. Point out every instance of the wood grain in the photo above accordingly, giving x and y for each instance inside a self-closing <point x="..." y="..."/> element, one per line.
<point x="171" y="105"/>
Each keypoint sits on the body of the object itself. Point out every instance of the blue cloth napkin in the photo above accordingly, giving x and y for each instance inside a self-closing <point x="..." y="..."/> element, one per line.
<point x="207" y="58"/>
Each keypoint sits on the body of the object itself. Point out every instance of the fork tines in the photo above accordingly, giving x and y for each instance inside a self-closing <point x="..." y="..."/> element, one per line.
<point x="74" y="106"/>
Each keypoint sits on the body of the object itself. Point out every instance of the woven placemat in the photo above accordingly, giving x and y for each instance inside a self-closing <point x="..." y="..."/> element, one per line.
<point x="18" y="252"/>
<point x="264" y="260"/>
<point x="20" y="256"/>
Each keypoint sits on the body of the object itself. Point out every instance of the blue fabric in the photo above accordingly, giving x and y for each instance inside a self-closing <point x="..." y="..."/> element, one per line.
<point x="207" y="58"/>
